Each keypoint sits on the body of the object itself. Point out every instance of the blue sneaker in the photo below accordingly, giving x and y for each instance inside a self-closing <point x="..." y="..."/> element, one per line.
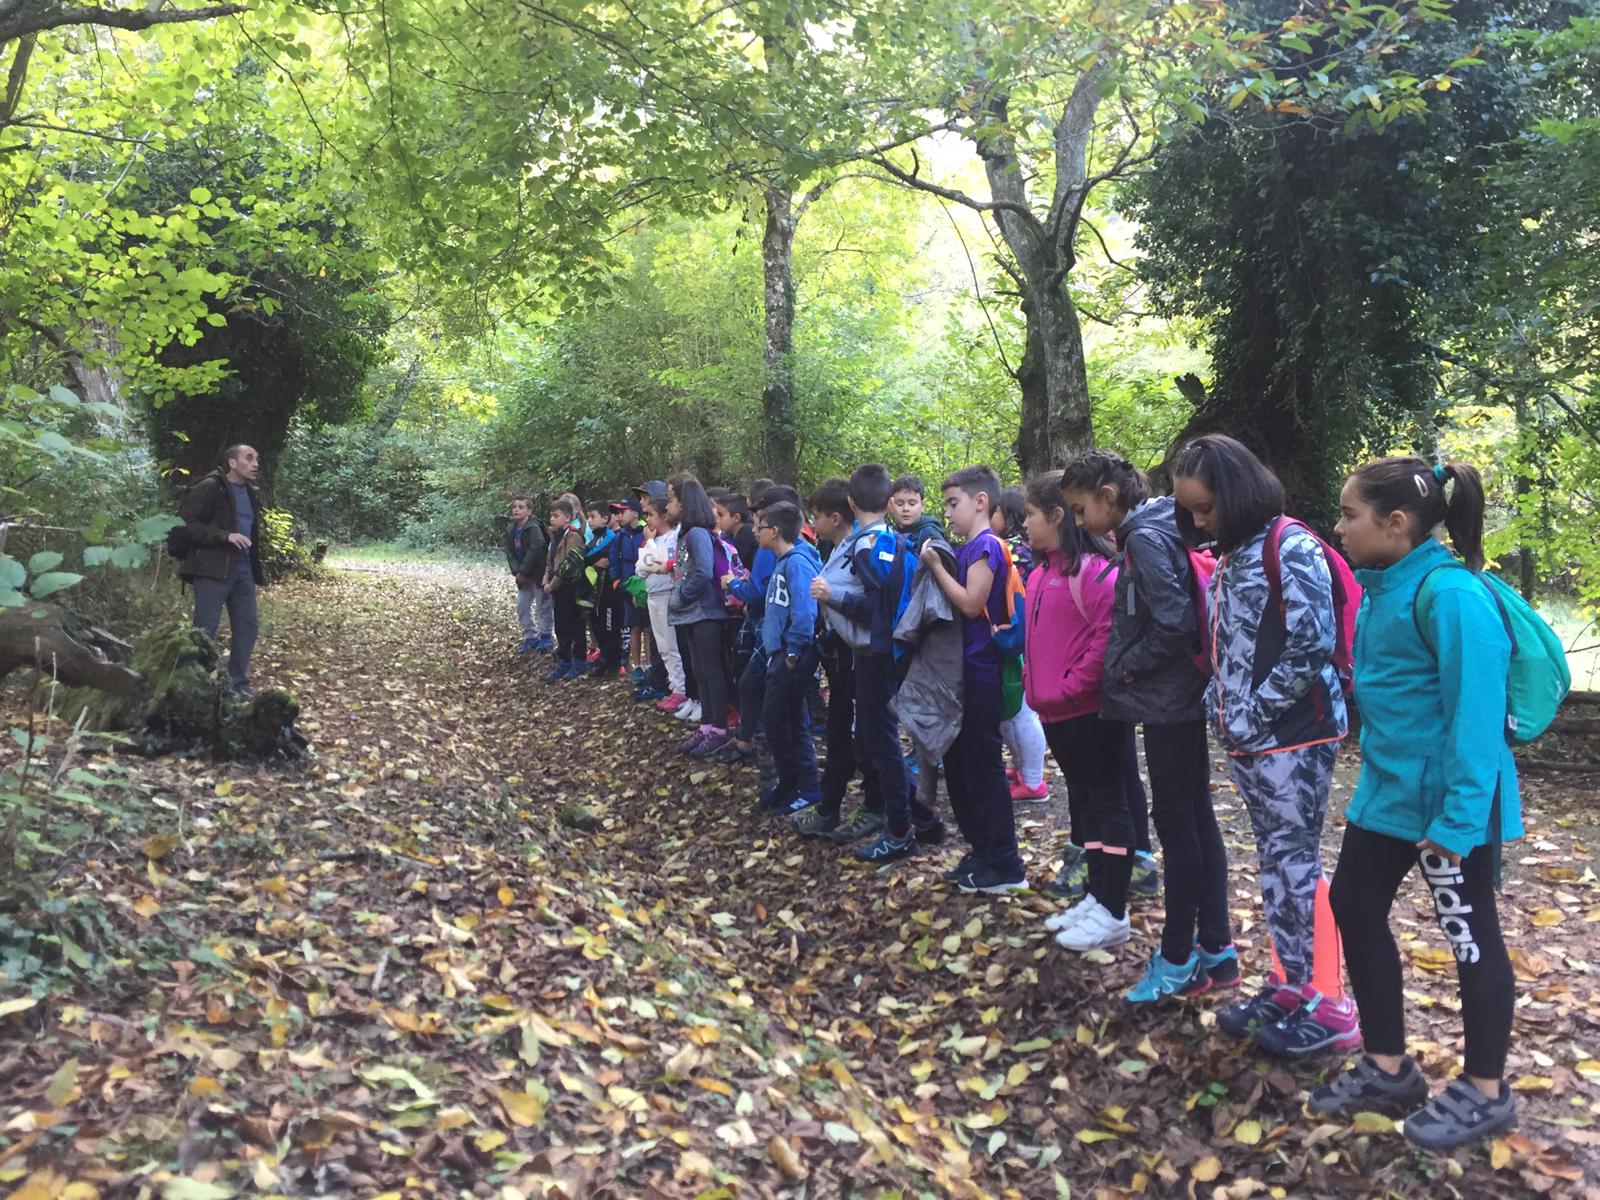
<point x="574" y="671"/>
<point x="1221" y="969"/>
<point x="639" y="676"/>
<point x="799" y="804"/>
<point x="558" y="672"/>
<point x="776" y="799"/>
<point x="526" y="645"/>
<point x="1162" y="979"/>
<point x="545" y="645"/>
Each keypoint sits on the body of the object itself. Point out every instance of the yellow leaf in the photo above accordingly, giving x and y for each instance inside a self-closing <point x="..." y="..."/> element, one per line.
<point x="1372" y="1122"/>
<point x="158" y="845"/>
<point x="505" y="895"/>
<point x="80" y="1190"/>
<point x="452" y="1118"/>
<point x="147" y="905"/>
<point x="500" y="1003"/>
<point x="1546" y="917"/>
<point x="489" y="1141"/>
<point x="204" y="1086"/>
<point x="1018" y="1074"/>
<point x="1532" y="1083"/>
<point x="20" y="1004"/>
<point x="784" y="1158"/>
<point x="225" y="788"/>
<point x="225" y="1059"/>
<point x="1089" y="1136"/>
<point x="1499" y="1154"/>
<point x="43" y="1184"/>
<point x="1206" y="1169"/>
<point x="1247" y="1133"/>
<point x="713" y="1085"/>
<point x="63" y="1089"/>
<point x="523" y="1109"/>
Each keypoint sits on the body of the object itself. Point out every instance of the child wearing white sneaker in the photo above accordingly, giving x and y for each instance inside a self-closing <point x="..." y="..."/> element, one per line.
<point x="1070" y="597"/>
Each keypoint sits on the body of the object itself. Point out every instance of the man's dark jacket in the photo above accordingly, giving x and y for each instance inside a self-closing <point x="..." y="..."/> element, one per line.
<point x="210" y="518"/>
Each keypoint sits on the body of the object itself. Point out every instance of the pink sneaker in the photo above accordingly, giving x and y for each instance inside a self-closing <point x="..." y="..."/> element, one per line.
<point x="1022" y="791"/>
<point x="1012" y="775"/>
<point x="673" y="702"/>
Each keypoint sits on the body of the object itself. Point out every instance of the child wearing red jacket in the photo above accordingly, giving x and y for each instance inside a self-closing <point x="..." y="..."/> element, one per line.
<point x="1071" y="592"/>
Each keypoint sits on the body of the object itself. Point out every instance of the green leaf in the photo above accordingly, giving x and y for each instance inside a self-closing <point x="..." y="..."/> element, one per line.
<point x="12" y="573"/>
<point x="64" y="396"/>
<point x="54" y="444"/>
<point x="45" y="560"/>
<point x="11" y="598"/>
<point x="51" y="582"/>
<point x="154" y="528"/>
<point x="129" y="555"/>
<point x="96" y="556"/>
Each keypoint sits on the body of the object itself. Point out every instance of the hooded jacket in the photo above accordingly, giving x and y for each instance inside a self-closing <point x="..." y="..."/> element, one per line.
<point x="927" y="528"/>
<point x="789" y="616"/>
<point x="1150" y="674"/>
<point x="871" y="564"/>
<point x="1069" y="620"/>
<point x="565" y="564"/>
<point x="930" y="701"/>
<point x="210" y="518"/>
<point x="694" y="597"/>
<point x="1433" y="746"/>
<point x="1273" y="684"/>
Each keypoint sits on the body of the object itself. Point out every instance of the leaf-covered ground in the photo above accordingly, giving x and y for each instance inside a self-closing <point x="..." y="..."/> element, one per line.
<point x="394" y="972"/>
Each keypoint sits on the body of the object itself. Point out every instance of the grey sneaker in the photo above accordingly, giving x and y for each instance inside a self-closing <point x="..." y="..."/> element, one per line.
<point x="813" y="822"/>
<point x="862" y="823"/>
<point x="1146" y="881"/>
<point x="1366" y="1087"/>
<point x="1072" y="881"/>
<point x="1460" y="1114"/>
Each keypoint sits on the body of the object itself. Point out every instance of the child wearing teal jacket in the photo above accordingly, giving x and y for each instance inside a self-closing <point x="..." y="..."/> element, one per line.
<point x="1438" y="790"/>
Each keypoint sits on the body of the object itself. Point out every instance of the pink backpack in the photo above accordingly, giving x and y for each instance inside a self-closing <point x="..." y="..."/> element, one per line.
<point x="1346" y="595"/>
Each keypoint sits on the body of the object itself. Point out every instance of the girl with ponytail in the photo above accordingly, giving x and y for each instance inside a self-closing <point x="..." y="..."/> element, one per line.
<point x="1438" y="790"/>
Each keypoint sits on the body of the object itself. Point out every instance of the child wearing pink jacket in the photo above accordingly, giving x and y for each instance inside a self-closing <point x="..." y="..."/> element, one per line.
<point x="1070" y="596"/>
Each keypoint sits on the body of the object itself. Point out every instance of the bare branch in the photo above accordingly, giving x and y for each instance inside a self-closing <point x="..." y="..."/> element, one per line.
<point x="27" y="17"/>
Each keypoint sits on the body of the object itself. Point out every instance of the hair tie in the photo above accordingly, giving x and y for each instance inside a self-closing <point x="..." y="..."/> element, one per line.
<point x="1440" y="473"/>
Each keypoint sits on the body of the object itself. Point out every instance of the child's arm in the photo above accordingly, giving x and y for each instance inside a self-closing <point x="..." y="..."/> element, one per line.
<point x="698" y="578"/>
<point x="972" y="600"/>
<point x="801" y="630"/>
<point x="1161" y="574"/>
<point x="1309" y="625"/>
<point x="1469" y="639"/>
<point x="1099" y="598"/>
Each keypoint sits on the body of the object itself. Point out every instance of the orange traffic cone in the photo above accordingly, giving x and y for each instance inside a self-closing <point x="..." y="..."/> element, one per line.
<point x="1327" y="960"/>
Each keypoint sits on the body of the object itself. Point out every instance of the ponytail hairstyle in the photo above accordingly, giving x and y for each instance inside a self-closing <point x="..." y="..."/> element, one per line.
<point x="692" y="499"/>
<point x="1449" y="494"/>
<point x="1095" y="469"/>
<point x="1014" y="509"/>
<point x="1044" y="493"/>
<point x="1247" y="494"/>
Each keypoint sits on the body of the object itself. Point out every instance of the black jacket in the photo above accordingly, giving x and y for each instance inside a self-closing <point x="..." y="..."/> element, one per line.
<point x="1152" y="672"/>
<point x="209" y="517"/>
<point x="535" y="550"/>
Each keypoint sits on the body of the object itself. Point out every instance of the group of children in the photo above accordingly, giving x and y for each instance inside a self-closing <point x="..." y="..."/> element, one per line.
<point x="1064" y="615"/>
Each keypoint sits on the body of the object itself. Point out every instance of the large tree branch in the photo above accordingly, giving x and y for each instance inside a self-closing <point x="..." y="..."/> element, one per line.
<point x="15" y="78"/>
<point x="913" y="179"/>
<point x="20" y="18"/>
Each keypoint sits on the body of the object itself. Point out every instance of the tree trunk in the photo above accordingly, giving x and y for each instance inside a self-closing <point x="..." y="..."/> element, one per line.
<point x="780" y="443"/>
<point x="1056" y="422"/>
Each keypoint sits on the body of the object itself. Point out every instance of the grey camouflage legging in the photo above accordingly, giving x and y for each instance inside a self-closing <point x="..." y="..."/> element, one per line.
<point x="1286" y="795"/>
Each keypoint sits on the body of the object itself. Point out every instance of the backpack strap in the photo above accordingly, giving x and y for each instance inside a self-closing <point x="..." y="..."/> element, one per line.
<point x="1075" y="588"/>
<point x="1272" y="560"/>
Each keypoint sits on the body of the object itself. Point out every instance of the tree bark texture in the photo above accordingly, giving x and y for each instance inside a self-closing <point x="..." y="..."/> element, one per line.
<point x="781" y="443"/>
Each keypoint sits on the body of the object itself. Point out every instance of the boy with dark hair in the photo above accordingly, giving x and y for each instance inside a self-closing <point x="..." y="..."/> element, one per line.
<point x="907" y="502"/>
<point x="526" y="549"/>
<point x="788" y="642"/>
<point x="595" y="594"/>
<point x="974" y="766"/>
<point x="865" y="613"/>
<point x="628" y="617"/>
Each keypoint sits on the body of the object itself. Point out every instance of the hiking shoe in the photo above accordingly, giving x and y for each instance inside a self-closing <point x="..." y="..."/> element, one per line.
<point x="558" y="672"/>
<point x="887" y="849"/>
<point x="992" y="882"/>
<point x="862" y="823"/>
<point x="1021" y="791"/>
<point x="813" y="822"/>
<point x="1067" y="917"/>
<point x="574" y="671"/>
<point x="1072" y="881"/>
<point x="1460" y="1114"/>
<point x="711" y="740"/>
<point x="1267" y="1007"/>
<point x="1146" y="881"/>
<point x="1162" y="979"/>
<point x="931" y="834"/>
<point x="733" y="752"/>
<point x="1221" y="968"/>
<point x="1095" y="929"/>
<point x="962" y="869"/>
<point x="672" y="702"/>
<point x="1368" y="1087"/>
<point x="1317" y="1024"/>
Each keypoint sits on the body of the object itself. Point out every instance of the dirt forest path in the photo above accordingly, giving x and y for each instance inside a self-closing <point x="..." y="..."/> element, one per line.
<point x="395" y="972"/>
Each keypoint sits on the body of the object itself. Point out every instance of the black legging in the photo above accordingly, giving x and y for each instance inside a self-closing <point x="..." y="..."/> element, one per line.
<point x="1132" y="784"/>
<point x="1093" y="755"/>
<point x="1372" y="866"/>
<point x="1193" y="855"/>
<point x="705" y="651"/>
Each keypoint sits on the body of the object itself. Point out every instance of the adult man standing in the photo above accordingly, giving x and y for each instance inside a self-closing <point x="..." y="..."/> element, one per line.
<point x="222" y="519"/>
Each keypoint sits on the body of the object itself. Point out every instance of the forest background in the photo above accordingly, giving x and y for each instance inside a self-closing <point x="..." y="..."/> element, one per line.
<point x="429" y="254"/>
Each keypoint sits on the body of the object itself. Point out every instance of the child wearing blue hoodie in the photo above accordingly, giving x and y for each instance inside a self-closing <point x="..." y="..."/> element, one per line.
<point x="1438" y="790"/>
<point x="788" y="641"/>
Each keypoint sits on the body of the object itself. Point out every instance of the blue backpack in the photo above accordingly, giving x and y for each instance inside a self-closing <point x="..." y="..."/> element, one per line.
<point x="1538" y="678"/>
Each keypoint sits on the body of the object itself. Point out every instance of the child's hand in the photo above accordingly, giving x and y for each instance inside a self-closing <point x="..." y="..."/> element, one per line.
<point x="1453" y="859"/>
<point x="819" y="589"/>
<point x="929" y="555"/>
